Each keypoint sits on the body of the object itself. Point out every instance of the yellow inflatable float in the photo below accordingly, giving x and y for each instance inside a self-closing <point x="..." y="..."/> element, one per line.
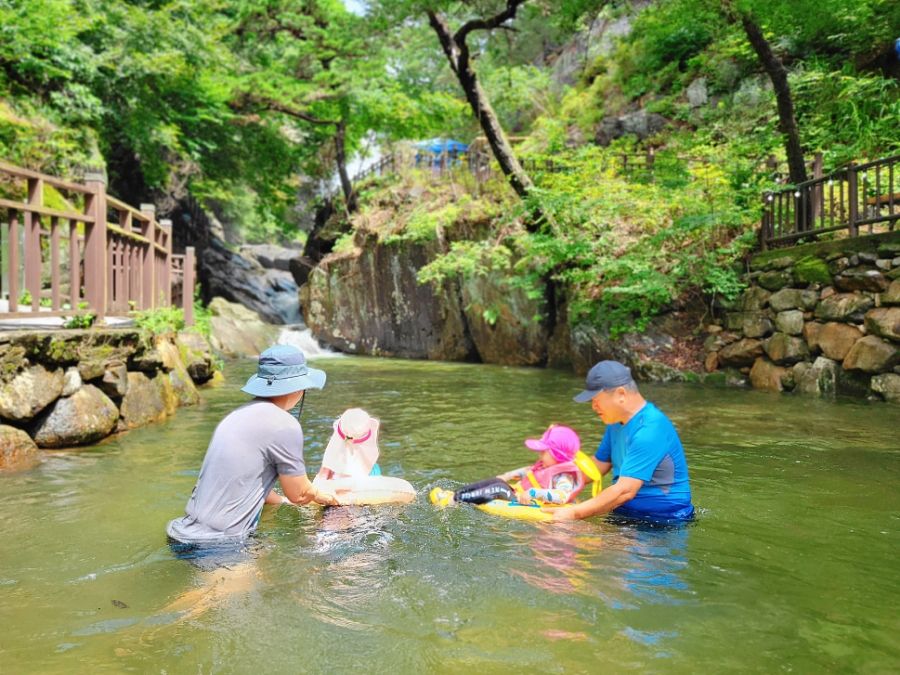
<point x="530" y="512"/>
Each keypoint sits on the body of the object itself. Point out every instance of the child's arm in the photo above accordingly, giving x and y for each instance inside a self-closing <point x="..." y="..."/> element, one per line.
<point x="324" y="473"/>
<point x="514" y="474"/>
<point x="559" y="493"/>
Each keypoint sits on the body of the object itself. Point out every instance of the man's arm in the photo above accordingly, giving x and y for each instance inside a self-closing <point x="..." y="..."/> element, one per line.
<point x="274" y="498"/>
<point x="300" y="490"/>
<point x="604" y="467"/>
<point x="623" y="491"/>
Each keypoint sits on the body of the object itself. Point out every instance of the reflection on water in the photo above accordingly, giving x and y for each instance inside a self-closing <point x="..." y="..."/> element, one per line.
<point x="789" y="566"/>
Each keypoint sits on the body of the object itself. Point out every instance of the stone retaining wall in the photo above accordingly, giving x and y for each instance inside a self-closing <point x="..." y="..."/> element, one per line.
<point x="68" y="388"/>
<point x="820" y="319"/>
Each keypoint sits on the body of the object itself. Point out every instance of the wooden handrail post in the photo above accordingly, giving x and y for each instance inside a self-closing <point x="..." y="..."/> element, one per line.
<point x="166" y="281"/>
<point x="817" y="192"/>
<point x="148" y="258"/>
<point x="33" y="242"/>
<point x="13" y="240"/>
<point x="187" y="286"/>
<point x="853" y="200"/>
<point x="95" y="259"/>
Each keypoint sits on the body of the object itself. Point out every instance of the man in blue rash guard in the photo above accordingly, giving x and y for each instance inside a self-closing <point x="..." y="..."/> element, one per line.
<point x="640" y="446"/>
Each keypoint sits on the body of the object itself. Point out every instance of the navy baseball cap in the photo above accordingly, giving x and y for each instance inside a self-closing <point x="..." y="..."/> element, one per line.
<point x="604" y="375"/>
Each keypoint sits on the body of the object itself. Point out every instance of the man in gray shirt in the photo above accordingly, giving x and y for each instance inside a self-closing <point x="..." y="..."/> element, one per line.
<point x="251" y="448"/>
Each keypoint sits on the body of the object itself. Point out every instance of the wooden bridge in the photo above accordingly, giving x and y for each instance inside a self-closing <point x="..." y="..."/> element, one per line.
<point x="70" y="248"/>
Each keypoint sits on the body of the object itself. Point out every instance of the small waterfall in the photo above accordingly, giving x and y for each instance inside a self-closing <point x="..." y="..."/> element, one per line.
<point x="301" y="337"/>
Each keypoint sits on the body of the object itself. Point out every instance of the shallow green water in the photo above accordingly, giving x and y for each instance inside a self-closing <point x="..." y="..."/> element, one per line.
<point x="792" y="564"/>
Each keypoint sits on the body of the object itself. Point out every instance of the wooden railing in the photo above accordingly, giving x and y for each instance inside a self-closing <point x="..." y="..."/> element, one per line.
<point x="859" y="198"/>
<point x="383" y="166"/>
<point x="96" y="254"/>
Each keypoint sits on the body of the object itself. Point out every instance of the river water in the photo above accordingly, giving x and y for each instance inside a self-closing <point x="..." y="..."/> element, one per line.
<point x="792" y="564"/>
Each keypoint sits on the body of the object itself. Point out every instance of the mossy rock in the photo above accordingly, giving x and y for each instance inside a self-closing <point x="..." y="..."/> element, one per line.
<point x="812" y="270"/>
<point x="889" y="249"/>
<point x="12" y="360"/>
<point x="775" y="280"/>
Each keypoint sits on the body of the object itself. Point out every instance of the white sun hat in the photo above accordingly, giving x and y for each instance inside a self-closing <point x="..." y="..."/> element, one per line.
<point x="353" y="448"/>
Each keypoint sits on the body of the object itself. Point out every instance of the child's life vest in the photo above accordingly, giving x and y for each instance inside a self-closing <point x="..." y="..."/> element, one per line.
<point x="539" y="476"/>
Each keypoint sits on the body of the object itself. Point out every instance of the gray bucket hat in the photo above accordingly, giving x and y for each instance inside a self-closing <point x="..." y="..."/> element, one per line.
<point x="282" y="370"/>
<point x="604" y="375"/>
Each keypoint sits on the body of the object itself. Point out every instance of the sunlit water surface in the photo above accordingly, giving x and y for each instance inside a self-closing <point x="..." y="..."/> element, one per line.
<point x="792" y="564"/>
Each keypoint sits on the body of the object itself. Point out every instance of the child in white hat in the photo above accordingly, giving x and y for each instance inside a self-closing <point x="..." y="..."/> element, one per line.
<point x="352" y="451"/>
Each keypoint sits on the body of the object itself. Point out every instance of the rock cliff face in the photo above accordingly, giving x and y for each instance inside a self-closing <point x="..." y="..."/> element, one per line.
<point x="370" y="302"/>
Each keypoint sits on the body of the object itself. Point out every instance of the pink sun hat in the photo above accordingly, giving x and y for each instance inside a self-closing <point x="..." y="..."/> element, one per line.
<point x="561" y="441"/>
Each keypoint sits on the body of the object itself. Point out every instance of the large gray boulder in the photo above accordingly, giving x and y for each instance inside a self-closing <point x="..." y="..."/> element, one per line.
<point x="888" y="385"/>
<point x="818" y="378"/>
<point x="843" y="307"/>
<point x="753" y="323"/>
<point x="370" y="301"/>
<point x="80" y="419"/>
<point x="29" y="392"/>
<point x="789" y="321"/>
<point x="793" y="298"/>
<point x="786" y="350"/>
<point x="271" y="293"/>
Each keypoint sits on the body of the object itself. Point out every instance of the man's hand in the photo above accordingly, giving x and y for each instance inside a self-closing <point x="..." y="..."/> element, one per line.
<point x="324" y="498"/>
<point x="560" y="514"/>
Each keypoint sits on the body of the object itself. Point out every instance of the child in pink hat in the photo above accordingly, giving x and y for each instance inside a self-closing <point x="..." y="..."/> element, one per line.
<point x="554" y="478"/>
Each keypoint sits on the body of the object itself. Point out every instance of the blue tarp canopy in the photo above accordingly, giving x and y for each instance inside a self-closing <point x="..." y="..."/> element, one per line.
<point x="441" y="145"/>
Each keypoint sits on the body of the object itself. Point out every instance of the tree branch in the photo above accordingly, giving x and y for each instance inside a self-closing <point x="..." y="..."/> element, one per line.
<point x="512" y="7"/>
<point x="284" y="109"/>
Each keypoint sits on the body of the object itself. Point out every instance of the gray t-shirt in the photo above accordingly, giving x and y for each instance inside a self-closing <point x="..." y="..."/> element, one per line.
<point x="248" y="450"/>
